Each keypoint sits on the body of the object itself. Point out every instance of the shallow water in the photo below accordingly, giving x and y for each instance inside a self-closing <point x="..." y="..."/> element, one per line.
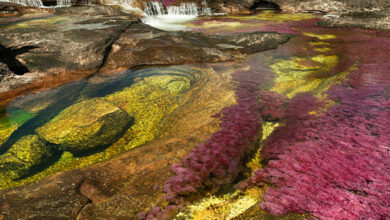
<point x="320" y="124"/>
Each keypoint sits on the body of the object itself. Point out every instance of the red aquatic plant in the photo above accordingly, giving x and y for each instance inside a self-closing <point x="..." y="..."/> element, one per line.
<point x="219" y="159"/>
<point x="272" y="105"/>
<point x="334" y="166"/>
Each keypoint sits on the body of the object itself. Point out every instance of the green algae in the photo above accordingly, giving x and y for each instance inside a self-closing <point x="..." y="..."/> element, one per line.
<point x="28" y="152"/>
<point x="153" y="98"/>
<point x="10" y="121"/>
<point x="149" y="100"/>
<point x="294" y="74"/>
<point x="85" y="125"/>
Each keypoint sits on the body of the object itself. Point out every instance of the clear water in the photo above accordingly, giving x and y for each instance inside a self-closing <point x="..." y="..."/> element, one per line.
<point x="341" y="137"/>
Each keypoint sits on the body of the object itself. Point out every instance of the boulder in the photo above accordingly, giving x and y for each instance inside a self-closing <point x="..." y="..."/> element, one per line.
<point x="143" y="45"/>
<point x="85" y="125"/>
<point x="64" y="45"/>
<point x="23" y="156"/>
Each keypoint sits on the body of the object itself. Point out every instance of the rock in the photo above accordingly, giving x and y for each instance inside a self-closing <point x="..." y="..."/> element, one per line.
<point x="230" y="7"/>
<point x="85" y="125"/>
<point x="97" y="10"/>
<point x="143" y="45"/>
<point x="254" y="42"/>
<point x="330" y="6"/>
<point x="23" y="156"/>
<point x="55" y="49"/>
<point x="131" y="182"/>
<point x="372" y="14"/>
<point x="4" y="70"/>
<point x="378" y="20"/>
<point x="8" y="10"/>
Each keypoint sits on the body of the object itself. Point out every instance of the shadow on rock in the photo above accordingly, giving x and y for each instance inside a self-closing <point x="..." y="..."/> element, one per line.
<point x="8" y="56"/>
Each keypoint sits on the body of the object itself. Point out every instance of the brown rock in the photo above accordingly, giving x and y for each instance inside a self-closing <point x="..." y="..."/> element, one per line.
<point x="143" y="45"/>
<point x="131" y="182"/>
<point x="67" y="46"/>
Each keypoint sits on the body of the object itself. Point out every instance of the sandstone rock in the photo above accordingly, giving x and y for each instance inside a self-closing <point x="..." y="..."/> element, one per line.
<point x="85" y="125"/>
<point x="143" y="45"/>
<point x="8" y="10"/>
<point x="4" y="70"/>
<point x="330" y="5"/>
<point x="55" y="49"/>
<point x="131" y="182"/>
<point x="23" y="156"/>
<point x="378" y="20"/>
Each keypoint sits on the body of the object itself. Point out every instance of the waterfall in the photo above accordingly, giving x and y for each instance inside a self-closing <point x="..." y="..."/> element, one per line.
<point x="33" y="3"/>
<point x="183" y="9"/>
<point x="155" y="8"/>
<point x="158" y="8"/>
<point x="172" y="18"/>
<point x="63" y="3"/>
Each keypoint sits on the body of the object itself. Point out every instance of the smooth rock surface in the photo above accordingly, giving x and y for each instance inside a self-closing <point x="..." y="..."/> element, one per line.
<point x="47" y="50"/>
<point x="85" y="125"/>
<point x="131" y="182"/>
<point x="142" y="45"/>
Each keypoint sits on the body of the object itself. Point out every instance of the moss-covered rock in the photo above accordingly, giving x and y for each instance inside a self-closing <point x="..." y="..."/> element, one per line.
<point x="85" y="125"/>
<point x="23" y="156"/>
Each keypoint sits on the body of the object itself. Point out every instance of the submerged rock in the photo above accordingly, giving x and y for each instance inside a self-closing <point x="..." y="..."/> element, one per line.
<point x="23" y="156"/>
<point x="85" y="125"/>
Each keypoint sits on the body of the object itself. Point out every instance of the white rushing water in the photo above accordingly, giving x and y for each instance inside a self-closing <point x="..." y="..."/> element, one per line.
<point x="172" y="18"/>
<point x="157" y="8"/>
<point x="168" y="22"/>
<point x="33" y="3"/>
<point x="64" y="3"/>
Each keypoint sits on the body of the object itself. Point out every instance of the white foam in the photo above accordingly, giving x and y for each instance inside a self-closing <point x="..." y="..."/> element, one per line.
<point x="169" y="22"/>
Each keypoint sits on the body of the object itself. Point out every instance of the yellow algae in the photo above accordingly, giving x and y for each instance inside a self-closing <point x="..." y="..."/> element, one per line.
<point x="219" y="24"/>
<point x="322" y="49"/>
<point x="39" y="22"/>
<point x="212" y="27"/>
<point x="226" y="206"/>
<point x="26" y="153"/>
<point x="293" y="74"/>
<point x="320" y="36"/>
<point x="149" y="101"/>
<point x="275" y="17"/>
<point x="319" y="43"/>
<point x="267" y="129"/>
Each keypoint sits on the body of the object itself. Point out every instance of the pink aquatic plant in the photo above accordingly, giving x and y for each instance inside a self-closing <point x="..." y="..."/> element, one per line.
<point x="336" y="165"/>
<point x="219" y="159"/>
<point x="272" y="105"/>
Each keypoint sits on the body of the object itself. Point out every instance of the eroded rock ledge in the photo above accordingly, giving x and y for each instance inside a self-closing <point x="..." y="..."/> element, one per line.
<point x="69" y="44"/>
